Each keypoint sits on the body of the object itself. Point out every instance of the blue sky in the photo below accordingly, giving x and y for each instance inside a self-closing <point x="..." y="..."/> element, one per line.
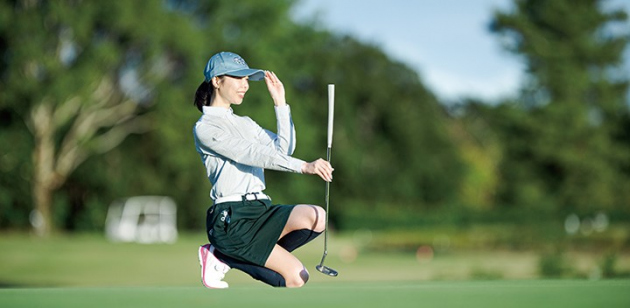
<point x="446" y="41"/>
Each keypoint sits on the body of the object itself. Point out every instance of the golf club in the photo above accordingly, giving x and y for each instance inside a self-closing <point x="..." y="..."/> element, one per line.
<point x="331" y="111"/>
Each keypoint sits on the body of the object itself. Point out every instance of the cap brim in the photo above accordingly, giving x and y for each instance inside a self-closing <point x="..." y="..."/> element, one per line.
<point x="253" y="74"/>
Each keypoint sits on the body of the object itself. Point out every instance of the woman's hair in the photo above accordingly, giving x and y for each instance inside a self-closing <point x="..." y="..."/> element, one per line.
<point x="203" y="95"/>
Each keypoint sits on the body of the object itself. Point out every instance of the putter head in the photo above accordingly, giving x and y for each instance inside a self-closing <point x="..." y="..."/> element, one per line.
<point x="327" y="270"/>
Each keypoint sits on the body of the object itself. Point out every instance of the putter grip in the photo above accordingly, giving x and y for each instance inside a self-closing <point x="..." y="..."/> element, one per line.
<point x="331" y="112"/>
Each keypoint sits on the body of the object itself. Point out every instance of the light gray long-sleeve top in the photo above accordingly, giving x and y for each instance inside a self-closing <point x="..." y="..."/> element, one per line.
<point x="236" y="150"/>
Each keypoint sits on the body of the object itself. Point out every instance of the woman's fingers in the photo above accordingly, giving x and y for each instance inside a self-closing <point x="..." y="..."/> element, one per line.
<point x="321" y="168"/>
<point x="275" y="87"/>
<point x="272" y="79"/>
<point x="326" y="171"/>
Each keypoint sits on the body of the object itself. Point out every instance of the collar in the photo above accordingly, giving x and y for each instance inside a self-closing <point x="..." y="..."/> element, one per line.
<point x="217" y="111"/>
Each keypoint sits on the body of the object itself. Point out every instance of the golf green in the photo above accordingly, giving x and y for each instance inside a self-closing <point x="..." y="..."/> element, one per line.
<point x="486" y="294"/>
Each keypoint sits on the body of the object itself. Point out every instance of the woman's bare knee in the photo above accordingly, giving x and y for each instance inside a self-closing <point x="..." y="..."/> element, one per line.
<point x="292" y="270"/>
<point x="297" y="281"/>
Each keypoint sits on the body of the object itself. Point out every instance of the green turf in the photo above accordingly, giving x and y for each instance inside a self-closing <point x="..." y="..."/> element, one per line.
<point x="88" y="271"/>
<point x="92" y="261"/>
<point x="486" y="294"/>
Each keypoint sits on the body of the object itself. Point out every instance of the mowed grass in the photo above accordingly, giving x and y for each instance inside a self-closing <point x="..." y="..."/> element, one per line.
<point x="89" y="271"/>
<point x="486" y="294"/>
<point x="92" y="261"/>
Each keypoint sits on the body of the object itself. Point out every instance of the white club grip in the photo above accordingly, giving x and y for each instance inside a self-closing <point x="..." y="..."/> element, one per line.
<point x="331" y="112"/>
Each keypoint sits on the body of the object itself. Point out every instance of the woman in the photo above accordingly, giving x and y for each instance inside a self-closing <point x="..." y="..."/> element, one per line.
<point x="245" y="230"/>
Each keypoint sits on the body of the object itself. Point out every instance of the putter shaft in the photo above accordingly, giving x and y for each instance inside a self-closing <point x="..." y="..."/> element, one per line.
<point x="331" y="110"/>
<point x="324" y="269"/>
<point x="327" y="202"/>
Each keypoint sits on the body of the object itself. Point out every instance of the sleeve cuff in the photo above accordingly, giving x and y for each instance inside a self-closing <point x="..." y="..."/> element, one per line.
<point x="283" y="111"/>
<point x="296" y="164"/>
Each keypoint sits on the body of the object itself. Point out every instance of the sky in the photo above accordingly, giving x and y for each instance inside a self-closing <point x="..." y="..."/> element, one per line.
<point x="446" y="41"/>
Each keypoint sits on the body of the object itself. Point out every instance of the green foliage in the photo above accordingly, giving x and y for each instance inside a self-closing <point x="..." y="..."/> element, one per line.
<point x="58" y="51"/>
<point x="560" y="138"/>
<point x="392" y="141"/>
<point x="608" y="265"/>
<point x="399" y="158"/>
<point x="14" y="171"/>
<point x="554" y="264"/>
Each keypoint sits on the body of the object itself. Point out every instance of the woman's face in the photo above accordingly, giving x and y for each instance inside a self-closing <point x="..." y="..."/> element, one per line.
<point x="231" y="90"/>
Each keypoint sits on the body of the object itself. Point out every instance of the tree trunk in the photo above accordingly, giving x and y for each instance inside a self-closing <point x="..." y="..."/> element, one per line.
<point x="44" y="181"/>
<point x="51" y="164"/>
<point x="42" y="218"/>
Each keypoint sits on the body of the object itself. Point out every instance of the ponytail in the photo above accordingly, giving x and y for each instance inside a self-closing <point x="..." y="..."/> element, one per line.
<point x="203" y="95"/>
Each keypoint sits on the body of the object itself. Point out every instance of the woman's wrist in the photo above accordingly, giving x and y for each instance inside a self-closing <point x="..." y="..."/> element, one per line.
<point x="280" y="103"/>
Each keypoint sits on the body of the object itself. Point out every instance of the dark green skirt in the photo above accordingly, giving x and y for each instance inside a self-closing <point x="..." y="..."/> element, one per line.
<point x="246" y="230"/>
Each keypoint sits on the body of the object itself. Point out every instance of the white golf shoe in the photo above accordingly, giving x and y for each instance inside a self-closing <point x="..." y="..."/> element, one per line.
<point x="212" y="269"/>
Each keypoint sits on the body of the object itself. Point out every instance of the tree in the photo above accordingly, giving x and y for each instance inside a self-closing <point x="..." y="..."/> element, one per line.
<point x="79" y="73"/>
<point x="574" y="102"/>
<point x="93" y="72"/>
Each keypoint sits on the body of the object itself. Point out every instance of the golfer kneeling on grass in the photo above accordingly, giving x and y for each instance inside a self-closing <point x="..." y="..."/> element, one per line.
<point x="245" y="229"/>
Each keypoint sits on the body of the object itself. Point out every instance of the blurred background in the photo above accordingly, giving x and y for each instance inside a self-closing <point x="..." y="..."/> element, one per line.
<point x="489" y="134"/>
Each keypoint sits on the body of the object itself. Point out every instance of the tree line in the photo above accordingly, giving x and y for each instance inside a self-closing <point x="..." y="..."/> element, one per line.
<point x="96" y="105"/>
